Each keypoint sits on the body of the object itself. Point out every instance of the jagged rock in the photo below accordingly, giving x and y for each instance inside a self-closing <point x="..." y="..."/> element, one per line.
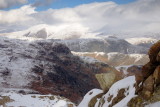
<point x="153" y="52"/>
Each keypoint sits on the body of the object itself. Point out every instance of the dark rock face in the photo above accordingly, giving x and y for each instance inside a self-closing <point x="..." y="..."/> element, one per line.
<point x="153" y="52"/>
<point x="149" y="68"/>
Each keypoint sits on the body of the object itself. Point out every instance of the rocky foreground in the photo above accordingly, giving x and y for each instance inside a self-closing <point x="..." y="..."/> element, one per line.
<point x="138" y="89"/>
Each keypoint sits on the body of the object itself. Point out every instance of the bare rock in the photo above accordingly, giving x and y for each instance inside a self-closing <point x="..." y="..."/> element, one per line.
<point x="154" y="50"/>
<point x="156" y="76"/>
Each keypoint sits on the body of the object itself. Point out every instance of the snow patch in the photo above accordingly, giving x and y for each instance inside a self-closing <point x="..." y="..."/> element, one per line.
<point x="89" y="96"/>
<point x="127" y="84"/>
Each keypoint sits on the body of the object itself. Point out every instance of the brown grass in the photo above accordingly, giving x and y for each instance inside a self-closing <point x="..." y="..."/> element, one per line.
<point x="4" y="100"/>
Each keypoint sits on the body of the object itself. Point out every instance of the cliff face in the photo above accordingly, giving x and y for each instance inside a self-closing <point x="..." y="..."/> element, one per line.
<point x="140" y="88"/>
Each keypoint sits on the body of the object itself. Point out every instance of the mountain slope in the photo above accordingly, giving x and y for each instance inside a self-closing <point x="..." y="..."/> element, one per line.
<point x="46" y="67"/>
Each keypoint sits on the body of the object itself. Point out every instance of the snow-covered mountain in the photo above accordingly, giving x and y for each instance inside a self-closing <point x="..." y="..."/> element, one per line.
<point x="44" y="31"/>
<point x="80" y="39"/>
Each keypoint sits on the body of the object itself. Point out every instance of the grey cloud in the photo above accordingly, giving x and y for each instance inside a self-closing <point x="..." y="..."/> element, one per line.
<point x="8" y="3"/>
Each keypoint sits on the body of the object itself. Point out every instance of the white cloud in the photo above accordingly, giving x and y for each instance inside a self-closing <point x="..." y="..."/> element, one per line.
<point x="17" y="15"/>
<point x="140" y="17"/>
<point x="8" y="3"/>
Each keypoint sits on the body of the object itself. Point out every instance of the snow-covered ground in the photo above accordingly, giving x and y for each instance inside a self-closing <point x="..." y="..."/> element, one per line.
<point x="127" y="84"/>
<point x="89" y="96"/>
<point x="35" y="100"/>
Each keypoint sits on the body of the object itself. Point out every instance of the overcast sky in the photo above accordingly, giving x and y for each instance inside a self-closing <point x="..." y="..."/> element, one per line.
<point x="140" y="16"/>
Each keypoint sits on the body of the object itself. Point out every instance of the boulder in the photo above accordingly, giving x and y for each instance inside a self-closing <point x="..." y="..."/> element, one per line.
<point x="154" y="50"/>
<point x="107" y="79"/>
